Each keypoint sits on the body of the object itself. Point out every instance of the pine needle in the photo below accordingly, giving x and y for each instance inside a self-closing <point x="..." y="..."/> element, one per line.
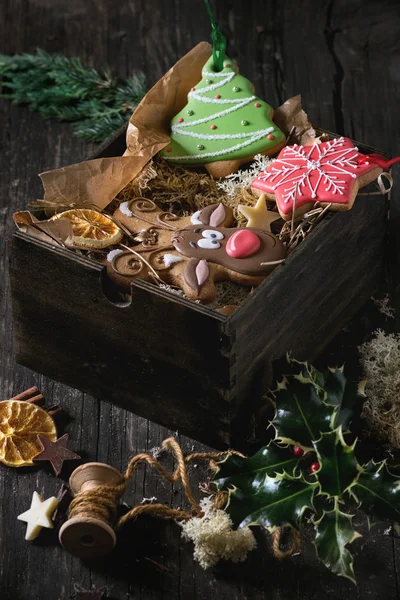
<point x="64" y="89"/>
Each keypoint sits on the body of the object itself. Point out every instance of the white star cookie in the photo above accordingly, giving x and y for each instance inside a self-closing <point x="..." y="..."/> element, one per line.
<point x="38" y="516"/>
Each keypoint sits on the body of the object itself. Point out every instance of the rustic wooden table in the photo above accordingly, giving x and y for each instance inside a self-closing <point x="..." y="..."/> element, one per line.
<point x="343" y="56"/>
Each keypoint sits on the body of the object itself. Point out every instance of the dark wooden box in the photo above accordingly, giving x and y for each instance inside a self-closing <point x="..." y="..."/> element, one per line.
<point x="173" y="361"/>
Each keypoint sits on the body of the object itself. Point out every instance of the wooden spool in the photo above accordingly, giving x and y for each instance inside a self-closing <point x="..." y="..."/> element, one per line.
<point x="87" y="537"/>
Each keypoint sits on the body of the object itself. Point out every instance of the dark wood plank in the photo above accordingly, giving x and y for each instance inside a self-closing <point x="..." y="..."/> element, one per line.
<point x="150" y="356"/>
<point x="343" y="57"/>
<point x="394" y="247"/>
<point x="308" y="300"/>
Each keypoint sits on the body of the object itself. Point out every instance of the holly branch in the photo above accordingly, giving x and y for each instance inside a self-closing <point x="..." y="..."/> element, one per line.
<point x="61" y="88"/>
<point x="309" y="459"/>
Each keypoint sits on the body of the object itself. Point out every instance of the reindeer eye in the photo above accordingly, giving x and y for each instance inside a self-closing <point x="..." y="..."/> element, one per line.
<point x="209" y="243"/>
<point x="212" y="234"/>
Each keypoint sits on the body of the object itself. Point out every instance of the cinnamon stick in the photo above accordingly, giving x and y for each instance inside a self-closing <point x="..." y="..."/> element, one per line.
<point x="55" y="411"/>
<point x="31" y="395"/>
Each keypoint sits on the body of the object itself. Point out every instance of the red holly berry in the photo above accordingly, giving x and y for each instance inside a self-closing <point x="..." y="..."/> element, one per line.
<point x="314" y="467"/>
<point x="297" y="451"/>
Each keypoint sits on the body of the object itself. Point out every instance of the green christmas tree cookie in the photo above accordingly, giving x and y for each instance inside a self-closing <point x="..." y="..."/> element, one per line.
<point x="223" y="124"/>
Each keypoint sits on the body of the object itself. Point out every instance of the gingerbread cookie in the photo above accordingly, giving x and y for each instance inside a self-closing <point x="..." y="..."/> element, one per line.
<point x="192" y="253"/>
<point x="223" y="124"/>
<point x="330" y="173"/>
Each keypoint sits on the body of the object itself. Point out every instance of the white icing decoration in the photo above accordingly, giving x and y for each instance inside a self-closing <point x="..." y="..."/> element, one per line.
<point x="181" y="128"/>
<point x="194" y="218"/>
<point x="112" y="254"/>
<point x="339" y="160"/>
<point x="222" y="136"/>
<point x="256" y="136"/>
<point x="209" y="243"/>
<point x="170" y="259"/>
<point x="124" y="208"/>
<point x="211" y="233"/>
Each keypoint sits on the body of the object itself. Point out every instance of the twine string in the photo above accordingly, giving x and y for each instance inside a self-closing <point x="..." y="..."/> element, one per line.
<point x="383" y="190"/>
<point x="97" y="503"/>
<point x="101" y="502"/>
<point x="293" y="545"/>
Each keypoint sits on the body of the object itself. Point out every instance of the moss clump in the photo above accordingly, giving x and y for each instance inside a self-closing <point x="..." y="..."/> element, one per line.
<point x="380" y="362"/>
<point x="214" y="538"/>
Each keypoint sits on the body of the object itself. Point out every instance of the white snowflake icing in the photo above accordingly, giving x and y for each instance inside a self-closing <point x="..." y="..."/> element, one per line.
<point x="334" y="162"/>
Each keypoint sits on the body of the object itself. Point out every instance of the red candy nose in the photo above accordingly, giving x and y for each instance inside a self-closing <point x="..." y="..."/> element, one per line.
<point x="242" y="243"/>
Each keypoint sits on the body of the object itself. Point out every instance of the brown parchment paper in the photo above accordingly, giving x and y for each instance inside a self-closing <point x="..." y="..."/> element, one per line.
<point x="291" y="115"/>
<point x="149" y="126"/>
<point x="97" y="182"/>
<point x="57" y="232"/>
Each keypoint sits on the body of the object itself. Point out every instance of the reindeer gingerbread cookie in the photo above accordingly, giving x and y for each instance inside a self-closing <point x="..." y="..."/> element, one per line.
<point x="192" y="253"/>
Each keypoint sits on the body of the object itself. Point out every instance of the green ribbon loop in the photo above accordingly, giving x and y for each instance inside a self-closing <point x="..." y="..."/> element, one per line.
<point x="218" y="41"/>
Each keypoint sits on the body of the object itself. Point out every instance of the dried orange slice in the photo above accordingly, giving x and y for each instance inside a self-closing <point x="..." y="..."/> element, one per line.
<point x="20" y="424"/>
<point x="91" y="229"/>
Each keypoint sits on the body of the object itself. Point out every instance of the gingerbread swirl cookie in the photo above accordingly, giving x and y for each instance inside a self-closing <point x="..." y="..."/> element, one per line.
<point x="223" y="124"/>
<point x="194" y="252"/>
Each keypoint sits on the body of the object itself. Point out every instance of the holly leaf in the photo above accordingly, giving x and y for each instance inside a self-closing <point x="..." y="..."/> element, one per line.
<point x="345" y="395"/>
<point x="237" y="472"/>
<point x="301" y="415"/>
<point x="378" y="491"/>
<point x="334" y="531"/>
<point x="305" y="369"/>
<point x="275" y="502"/>
<point x="339" y="468"/>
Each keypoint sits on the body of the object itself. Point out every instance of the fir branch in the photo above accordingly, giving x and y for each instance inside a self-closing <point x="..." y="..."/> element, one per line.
<point x="64" y="89"/>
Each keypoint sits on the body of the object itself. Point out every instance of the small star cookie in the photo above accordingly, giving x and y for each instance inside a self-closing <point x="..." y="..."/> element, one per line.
<point x="259" y="215"/>
<point x="38" y="516"/>
<point x="55" y="452"/>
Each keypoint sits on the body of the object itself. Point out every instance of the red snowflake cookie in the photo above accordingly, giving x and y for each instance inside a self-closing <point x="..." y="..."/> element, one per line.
<point x="330" y="172"/>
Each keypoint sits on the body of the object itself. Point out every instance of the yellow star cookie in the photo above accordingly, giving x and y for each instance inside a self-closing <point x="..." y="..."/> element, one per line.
<point x="259" y="215"/>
